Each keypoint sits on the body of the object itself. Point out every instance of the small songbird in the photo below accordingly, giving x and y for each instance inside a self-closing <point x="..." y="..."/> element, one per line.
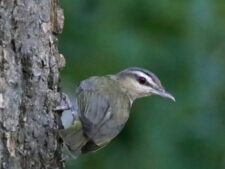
<point x="103" y="107"/>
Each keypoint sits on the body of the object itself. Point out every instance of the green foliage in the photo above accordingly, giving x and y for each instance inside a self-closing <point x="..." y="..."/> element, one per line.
<point x="183" y="42"/>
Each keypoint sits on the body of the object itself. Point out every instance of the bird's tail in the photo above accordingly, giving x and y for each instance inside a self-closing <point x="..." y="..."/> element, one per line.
<point x="73" y="140"/>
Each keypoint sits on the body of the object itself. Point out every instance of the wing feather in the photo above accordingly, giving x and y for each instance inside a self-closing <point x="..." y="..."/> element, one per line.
<point x="101" y="119"/>
<point x="93" y="111"/>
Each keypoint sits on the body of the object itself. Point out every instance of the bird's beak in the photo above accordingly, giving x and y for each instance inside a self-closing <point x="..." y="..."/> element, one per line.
<point x="164" y="94"/>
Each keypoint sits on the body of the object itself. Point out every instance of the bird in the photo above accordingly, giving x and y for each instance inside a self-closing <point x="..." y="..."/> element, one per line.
<point x="103" y="105"/>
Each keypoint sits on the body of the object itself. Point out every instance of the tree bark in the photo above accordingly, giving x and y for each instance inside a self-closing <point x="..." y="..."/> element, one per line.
<point x="29" y="84"/>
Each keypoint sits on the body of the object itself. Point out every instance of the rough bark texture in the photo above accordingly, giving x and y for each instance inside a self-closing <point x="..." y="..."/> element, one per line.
<point x="29" y="77"/>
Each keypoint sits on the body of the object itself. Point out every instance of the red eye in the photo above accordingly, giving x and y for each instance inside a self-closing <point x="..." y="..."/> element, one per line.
<point x="141" y="80"/>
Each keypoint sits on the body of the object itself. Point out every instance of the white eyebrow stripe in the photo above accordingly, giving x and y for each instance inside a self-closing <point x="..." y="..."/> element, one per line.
<point x="148" y="78"/>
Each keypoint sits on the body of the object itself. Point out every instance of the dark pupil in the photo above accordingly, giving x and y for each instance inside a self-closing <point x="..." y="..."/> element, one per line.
<point x="141" y="80"/>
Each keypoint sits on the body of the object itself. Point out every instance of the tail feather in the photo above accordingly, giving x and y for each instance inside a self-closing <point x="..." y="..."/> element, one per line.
<point x="73" y="139"/>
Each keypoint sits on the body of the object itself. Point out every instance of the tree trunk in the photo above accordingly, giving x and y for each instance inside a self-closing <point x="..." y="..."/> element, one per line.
<point x="29" y="84"/>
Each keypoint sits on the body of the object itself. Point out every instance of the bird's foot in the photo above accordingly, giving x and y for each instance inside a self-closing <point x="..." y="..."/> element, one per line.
<point x="65" y="104"/>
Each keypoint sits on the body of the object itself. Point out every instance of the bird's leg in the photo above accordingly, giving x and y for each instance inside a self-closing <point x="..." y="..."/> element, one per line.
<point x="65" y="104"/>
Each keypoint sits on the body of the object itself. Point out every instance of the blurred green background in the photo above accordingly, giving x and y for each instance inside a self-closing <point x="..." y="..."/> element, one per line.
<point x="183" y="42"/>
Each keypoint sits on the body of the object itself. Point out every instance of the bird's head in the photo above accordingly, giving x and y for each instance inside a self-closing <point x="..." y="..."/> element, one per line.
<point x="139" y="82"/>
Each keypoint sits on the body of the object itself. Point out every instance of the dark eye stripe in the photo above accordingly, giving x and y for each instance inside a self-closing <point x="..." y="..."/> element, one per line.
<point x="148" y="73"/>
<point x="146" y="82"/>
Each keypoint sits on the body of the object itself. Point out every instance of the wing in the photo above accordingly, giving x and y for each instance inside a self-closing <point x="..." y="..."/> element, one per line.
<point x="94" y="112"/>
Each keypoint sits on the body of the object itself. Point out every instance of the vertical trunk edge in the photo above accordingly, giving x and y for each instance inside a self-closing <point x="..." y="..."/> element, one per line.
<point x="29" y="84"/>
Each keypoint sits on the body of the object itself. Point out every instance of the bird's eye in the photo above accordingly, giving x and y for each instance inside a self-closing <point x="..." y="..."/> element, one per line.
<point x="141" y="80"/>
